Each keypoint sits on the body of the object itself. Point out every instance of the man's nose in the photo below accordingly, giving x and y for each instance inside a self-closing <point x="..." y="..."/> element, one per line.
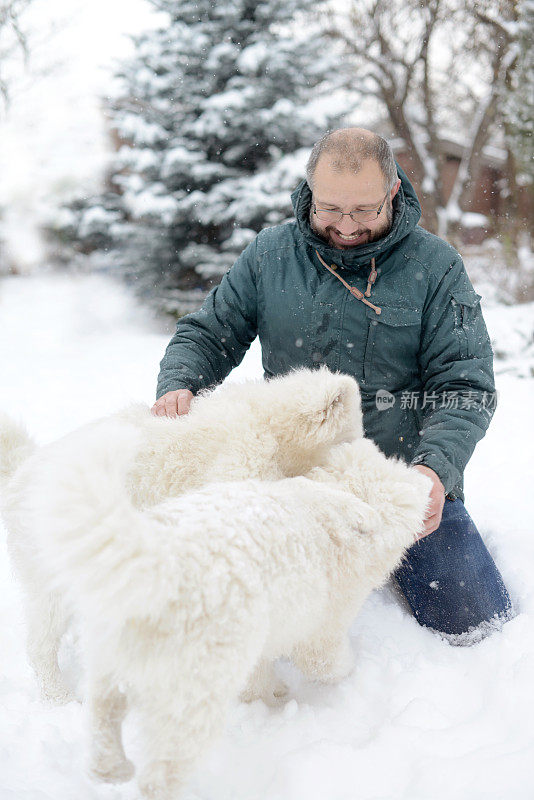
<point x="347" y="225"/>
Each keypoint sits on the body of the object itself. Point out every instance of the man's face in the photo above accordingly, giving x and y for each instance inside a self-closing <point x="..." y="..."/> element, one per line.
<point x="349" y="191"/>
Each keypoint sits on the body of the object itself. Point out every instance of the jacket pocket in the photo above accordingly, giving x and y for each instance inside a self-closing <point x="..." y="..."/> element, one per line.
<point x="466" y="309"/>
<point x="392" y="346"/>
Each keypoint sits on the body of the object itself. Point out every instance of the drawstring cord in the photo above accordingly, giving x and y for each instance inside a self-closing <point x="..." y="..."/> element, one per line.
<point x="352" y="289"/>
<point x="371" y="279"/>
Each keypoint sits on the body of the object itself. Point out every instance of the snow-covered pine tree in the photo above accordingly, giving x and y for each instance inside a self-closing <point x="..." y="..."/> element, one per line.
<point x="213" y="113"/>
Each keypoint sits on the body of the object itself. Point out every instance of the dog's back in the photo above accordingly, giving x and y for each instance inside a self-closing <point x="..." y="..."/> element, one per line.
<point x="15" y="447"/>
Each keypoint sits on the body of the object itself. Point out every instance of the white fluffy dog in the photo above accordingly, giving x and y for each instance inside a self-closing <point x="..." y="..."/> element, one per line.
<point x="187" y="602"/>
<point x="257" y="429"/>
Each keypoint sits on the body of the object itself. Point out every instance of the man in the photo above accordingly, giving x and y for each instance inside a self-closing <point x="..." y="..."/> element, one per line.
<point x="356" y="284"/>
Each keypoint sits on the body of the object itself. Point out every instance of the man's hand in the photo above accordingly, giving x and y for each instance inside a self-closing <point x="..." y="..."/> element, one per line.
<point x="437" y="501"/>
<point x="173" y="404"/>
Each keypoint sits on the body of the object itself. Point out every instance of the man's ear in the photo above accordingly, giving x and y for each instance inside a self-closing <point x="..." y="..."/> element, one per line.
<point x="395" y="189"/>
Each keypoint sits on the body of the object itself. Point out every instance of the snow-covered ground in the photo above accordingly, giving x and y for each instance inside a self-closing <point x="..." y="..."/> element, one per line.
<point x="417" y="720"/>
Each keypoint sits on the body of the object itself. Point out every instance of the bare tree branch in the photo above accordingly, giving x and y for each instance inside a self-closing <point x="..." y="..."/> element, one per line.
<point x="13" y="38"/>
<point x="505" y="53"/>
<point x="427" y="60"/>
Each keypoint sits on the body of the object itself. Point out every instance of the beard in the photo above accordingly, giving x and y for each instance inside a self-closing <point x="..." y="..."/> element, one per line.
<point x="372" y="234"/>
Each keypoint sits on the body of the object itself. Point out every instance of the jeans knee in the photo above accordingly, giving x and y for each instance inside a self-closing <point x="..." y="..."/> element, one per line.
<point x="477" y="633"/>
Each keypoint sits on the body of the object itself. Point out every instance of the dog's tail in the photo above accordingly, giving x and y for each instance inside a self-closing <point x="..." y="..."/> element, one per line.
<point x="15" y="446"/>
<point x="101" y="549"/>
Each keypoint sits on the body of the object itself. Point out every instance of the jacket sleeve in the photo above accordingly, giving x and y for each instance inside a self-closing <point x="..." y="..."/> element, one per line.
<point x="210" y="342"/>
<point x="456" y="364"/>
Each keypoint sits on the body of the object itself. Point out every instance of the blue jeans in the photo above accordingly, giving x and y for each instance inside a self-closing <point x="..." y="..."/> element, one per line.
<point x="450" y="580"/>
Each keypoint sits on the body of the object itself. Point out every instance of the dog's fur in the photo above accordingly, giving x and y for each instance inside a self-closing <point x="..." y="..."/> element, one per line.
<point x="257" y="429"/>
<point x="186" y="602"/>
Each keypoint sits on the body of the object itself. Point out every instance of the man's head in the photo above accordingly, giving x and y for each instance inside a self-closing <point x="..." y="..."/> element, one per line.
<point x="351" y="170"/>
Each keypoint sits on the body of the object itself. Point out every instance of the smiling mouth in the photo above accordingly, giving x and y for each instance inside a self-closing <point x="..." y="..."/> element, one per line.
<point x="352" y="238"/>
<point x="349" y="238"/>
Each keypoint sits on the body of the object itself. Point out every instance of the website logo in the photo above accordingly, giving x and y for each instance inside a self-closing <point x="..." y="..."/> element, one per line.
<point x="384" y="399"/>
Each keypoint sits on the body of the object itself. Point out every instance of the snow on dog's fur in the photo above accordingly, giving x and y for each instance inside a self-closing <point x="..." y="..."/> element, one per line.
<point x="187" y="602"/>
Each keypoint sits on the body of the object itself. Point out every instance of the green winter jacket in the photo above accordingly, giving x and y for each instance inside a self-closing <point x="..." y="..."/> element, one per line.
<point x="424" y="364"/>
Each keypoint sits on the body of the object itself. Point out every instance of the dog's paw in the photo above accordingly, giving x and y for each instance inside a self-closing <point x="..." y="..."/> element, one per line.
<point x="272" y="693"/>
<point x="326" y="664"/>
<point x="160" y="781"/>
<point x="118" y="772"/>
<point x="249" y="695"/>
<point x="280" y="688"/>
<point x="56" y="694"/>
<point x="337" y="672"/>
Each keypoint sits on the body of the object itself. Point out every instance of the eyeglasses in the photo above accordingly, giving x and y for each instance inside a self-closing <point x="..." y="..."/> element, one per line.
<point x="328" y="215"/>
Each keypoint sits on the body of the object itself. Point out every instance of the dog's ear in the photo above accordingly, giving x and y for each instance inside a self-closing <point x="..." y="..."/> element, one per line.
<point x="331" y="410"/>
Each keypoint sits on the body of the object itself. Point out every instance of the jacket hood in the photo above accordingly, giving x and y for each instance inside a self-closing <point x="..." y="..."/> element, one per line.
<point x="406" y="215"/>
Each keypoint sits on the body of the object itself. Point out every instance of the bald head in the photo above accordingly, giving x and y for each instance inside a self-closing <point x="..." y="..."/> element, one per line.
<point x="347" y="149"/>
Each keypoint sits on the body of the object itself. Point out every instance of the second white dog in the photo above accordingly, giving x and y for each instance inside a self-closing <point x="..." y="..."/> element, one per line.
<point x="187" y="603"/>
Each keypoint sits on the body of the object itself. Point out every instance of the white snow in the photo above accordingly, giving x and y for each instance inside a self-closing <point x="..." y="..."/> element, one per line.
<point x="231" y="99"/>
<point x="145" y="204"/>
<point x="512" y="333"/>
<point x="418" y="719"/>
<point x="252" y="57"/>
<point x="469" y="219"/>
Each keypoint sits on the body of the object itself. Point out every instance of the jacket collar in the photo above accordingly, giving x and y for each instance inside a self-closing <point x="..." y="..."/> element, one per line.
<point x="406" y="215"/>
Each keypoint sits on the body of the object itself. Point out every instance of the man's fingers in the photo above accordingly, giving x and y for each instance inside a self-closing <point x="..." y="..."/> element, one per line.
<point x="173" y="404"/>
<point x="170" y="404"/>
<point x="158" y="409"/>
<point x="431" y="524"/>
<point x="184" y="401"/>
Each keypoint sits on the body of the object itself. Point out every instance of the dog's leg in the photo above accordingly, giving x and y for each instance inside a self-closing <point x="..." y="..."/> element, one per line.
<point x="182" y="719"/>
<point x="179" y="728"/>
<point x="264" y="685"/>
<point x="328" y="658"/>
<point x="47" y="622"/>
<point x="107" y="708"/>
